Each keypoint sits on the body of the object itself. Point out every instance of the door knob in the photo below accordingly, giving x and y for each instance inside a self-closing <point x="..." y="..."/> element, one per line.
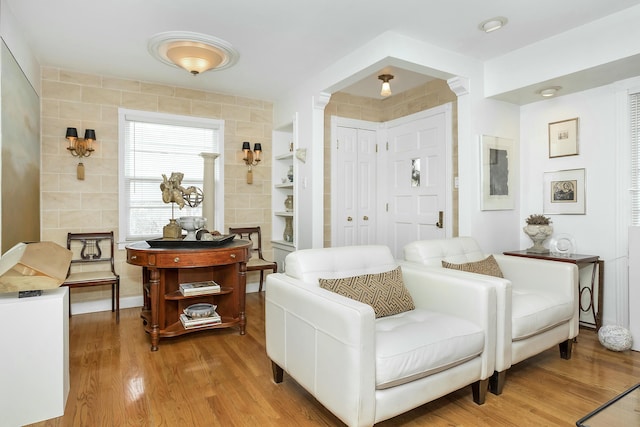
<point x="349" y="219"/>
<point x="366" y="218"/>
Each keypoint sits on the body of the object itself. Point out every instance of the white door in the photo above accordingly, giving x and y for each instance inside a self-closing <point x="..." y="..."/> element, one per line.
<point x="418" y="178"/>
<point x="355" y="187"/>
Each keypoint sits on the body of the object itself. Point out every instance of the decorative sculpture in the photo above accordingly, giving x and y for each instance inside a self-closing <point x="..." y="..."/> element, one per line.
<point x="174" y="192"/>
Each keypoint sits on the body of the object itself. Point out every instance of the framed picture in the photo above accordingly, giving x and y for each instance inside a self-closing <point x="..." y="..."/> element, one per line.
<point x="563" y="138"/>
<point x="498" y="171"/>
<point x="564" y="192"/>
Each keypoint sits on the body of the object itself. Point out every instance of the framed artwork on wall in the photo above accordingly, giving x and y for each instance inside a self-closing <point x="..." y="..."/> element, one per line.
<point x="564" y="192"/>
<point x="498" y="173"/>
<point x="563" y="138"/>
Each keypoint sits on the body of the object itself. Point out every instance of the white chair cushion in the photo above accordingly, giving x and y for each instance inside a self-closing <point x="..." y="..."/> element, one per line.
<point x="536" y="311"/>
<point x="255" y="262"/>
<point x="458" y="250"/>
<point x="419" y="343"/>
<point x="309" y="265"/>
<point x="86" y="276"/>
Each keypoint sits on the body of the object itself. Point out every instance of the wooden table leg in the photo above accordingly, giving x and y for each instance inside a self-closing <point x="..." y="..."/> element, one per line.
<point x="154" y="285"/>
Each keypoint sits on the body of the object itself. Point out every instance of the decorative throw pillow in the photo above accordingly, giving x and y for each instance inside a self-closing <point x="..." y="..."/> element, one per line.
<point x="488" y="266"/>
<point x="385" y="292"/>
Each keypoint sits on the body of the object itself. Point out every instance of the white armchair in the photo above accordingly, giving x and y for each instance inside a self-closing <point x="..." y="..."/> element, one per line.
<point x="366" y="369"/>
<point x="537" y="300"/>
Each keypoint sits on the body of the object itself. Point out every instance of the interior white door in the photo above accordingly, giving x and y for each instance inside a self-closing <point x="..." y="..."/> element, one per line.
<point x="356" y="186"/>
<point x="418" y="179"/>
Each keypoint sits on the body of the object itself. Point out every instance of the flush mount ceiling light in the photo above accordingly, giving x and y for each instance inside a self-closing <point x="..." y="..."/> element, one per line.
<point x="549" y="91"/>
<point x="386" y="87"/>
<point x="194" y="52"/>
<point x="493" y="24"/>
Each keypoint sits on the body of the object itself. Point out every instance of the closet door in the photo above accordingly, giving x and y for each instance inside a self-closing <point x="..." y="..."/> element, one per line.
<point x="356" y="187"/>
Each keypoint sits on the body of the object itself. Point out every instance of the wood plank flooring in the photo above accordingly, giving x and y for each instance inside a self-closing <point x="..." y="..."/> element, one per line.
<point x="219" y="378"/>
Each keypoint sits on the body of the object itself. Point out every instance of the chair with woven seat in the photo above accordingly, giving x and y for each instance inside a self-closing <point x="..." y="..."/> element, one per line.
<point x="93" y="265"/>
<point x="254" y="235"/>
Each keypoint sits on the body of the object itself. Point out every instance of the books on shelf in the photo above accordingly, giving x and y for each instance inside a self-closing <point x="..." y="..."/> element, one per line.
<point x="199" y="288"/>
<point x="199" y="322"/>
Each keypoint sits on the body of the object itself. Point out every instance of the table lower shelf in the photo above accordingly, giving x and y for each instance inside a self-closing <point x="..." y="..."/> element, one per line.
<point x="176" y="329"/>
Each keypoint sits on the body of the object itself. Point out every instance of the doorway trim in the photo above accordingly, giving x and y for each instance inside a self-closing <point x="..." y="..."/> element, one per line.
<point x="381" y="128"/>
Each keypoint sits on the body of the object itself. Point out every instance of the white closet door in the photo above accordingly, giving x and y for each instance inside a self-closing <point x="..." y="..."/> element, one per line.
<point x="357" y="187"/>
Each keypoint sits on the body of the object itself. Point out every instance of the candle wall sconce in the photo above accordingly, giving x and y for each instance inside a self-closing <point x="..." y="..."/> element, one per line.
<point x="80" y="147"/>
<point x="251" y="158"/>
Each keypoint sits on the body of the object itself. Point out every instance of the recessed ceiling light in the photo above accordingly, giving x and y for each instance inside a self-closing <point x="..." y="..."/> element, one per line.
<point x="549" y="91"/>
<point x="493" y="24"/>
<point x="194" y="52"/>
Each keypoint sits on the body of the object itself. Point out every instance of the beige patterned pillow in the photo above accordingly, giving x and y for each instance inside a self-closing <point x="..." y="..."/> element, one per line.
<point x="385" y="292"/>
<point x="488" y="266"/>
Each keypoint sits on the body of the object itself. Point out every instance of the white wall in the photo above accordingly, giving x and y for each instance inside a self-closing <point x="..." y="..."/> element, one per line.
<point x="19" y="47"/>
<point x="603" y="153"/>
<point x="495" y="230"/>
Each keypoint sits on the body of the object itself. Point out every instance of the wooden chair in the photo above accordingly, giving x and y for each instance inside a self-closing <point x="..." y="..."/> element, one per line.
<point x="93" y="265"/>
<point x="254" y="234"/>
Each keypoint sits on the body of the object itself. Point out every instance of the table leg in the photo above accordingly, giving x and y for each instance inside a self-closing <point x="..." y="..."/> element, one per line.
<point x="590" y="289"/>
<point x="154" y="285"/>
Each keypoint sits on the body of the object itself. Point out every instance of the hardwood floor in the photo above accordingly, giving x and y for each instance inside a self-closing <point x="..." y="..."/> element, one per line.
<point x="219" y="378"/>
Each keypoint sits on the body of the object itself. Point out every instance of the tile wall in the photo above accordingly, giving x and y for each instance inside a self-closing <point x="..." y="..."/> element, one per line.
<point x="71" y="99"/>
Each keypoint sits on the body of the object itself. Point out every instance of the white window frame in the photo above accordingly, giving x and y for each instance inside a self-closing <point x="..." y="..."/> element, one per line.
<point x="634" y="140"/>
<point x="177" y="120"/>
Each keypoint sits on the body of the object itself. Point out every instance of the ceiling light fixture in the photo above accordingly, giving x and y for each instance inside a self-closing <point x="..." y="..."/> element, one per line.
<point x="194" y="52"/>
<point x="386" y="87"/>
<point x="493" y="24"/>
<point x="549" y="91"/>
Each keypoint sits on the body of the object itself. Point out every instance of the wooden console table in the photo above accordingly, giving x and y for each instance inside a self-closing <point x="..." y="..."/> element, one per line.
<point x="592" y="305"/>
<point x="163" y="269"/>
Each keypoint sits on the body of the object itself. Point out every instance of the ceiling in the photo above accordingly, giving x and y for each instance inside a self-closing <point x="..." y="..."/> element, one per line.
<point x="281" y="42"/>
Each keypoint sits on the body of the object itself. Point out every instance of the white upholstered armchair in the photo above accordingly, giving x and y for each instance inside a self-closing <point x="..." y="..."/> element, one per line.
<point x="537" y="300"/>
<point x="366" y="369"/>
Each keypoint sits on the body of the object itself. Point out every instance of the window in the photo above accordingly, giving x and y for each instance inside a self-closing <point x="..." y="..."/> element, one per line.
<point x="634" y="121"/>
<point x="153" y="145"/>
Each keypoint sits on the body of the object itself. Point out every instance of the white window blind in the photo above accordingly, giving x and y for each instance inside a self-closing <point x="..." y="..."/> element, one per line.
<point x="634" y="120"/>
<point x="152" y="145"/>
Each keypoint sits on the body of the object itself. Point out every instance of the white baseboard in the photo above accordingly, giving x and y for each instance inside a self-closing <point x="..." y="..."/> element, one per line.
<point x="84" y="307"/>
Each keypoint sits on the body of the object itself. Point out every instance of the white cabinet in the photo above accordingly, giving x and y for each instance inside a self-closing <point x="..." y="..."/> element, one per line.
<point x="34" y="361"/>
<point x="283" y="199"/>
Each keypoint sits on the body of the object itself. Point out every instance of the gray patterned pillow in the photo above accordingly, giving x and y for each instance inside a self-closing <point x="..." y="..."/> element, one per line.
<point x="488" y="266"/>
<point x="385" y="292"/>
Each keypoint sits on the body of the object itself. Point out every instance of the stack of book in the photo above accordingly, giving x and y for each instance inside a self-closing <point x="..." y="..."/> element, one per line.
<point x="199" y="288"/>
<point x="199" y="322"/>
<point x="199" y="315"/>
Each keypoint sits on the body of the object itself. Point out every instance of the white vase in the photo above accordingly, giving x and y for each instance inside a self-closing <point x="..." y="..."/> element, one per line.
<point x="538" y="234"/>
<point x="190" y="224"/>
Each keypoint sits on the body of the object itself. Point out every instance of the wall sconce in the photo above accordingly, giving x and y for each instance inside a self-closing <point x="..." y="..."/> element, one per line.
<point x="251" y="158"/>
<point x="80" y="147"/>
<point x="386" y="87"/>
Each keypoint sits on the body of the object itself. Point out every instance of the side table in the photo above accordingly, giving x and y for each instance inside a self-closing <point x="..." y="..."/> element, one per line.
<point x="589" y="303"/>
<point x="163" y="269"/>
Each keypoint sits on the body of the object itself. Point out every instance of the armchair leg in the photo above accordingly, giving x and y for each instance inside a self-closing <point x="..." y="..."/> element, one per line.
<point x="278" y="373"/>
<point x="479" y="390"/>
<point x="565" y="349"/>
<point x="496" y="382"/>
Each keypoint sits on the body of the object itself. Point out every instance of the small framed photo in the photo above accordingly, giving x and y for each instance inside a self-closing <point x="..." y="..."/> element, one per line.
<point x="563" y="138"/>
<point x="498" y="173"/>
<point x="564" y="192"/>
